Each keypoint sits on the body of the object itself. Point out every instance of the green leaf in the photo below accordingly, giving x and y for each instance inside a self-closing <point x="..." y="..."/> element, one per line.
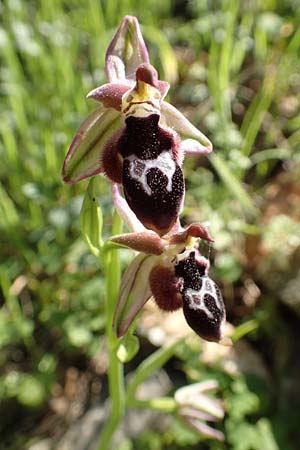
<point x="154" y="362"/>
<point x="31" y="391"/>
<point x="8" y="212"/>
<point x="268" y="441"/>
<point x="232" y="183"/>
<point x="244" y="329"/>
<point x="91" y="219"/>
<point x="79" y="336"/>
<point x="128" y="348"/>
<point x="167" y="55"/>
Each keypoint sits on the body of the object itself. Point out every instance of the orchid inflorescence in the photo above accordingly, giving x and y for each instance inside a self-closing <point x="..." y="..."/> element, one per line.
<point x="139" y="141"/>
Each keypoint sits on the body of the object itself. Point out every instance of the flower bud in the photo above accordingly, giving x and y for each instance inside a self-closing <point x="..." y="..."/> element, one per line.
<point x="195" y="407"/>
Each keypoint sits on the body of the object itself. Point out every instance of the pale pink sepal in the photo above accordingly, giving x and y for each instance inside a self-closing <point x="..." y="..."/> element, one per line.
<point x="144" y="241"/>
<point x="196" y="413"/>
<point x="187" y="393"/>
<point x="85" y="153"/>
<point x="126" y="51"/>
<point x="195" y="407"/>
<point x="209" y="405"/>
<point x="203" y="429"/>
<point x="163" y="87"/>
<point x="134" y="292"/>
<point x="127" y="215"/>
<point x="194" y="396"/>
<point x="185" y="128"/>
<point x="193" y="147"/>
<point x="110" y="94"/>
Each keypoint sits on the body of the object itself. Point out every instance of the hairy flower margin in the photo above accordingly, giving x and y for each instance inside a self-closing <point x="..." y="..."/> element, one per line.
<point x="135" y="137"/>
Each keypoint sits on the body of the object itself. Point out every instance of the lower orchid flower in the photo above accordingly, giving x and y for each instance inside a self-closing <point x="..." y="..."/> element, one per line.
<point x="196" y="408"/>
<point x="172" y="271"/>
<point x="136" y="138"/>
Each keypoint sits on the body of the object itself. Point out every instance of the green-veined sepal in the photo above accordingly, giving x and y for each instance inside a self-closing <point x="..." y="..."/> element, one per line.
<point x="134" y="292"/>
<point x="84" y="158"/>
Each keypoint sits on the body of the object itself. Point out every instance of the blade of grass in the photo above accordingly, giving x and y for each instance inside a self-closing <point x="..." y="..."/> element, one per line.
<point x="233" y="184"/>
<point x="255" y="114"/>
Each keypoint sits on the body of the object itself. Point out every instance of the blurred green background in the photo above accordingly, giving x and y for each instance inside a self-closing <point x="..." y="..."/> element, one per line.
<point x="234" y="69"/>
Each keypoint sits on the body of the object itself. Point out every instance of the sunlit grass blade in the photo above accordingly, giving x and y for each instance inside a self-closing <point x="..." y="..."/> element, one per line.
<point x="232" y="183"/>
<point x="155" y="361"/>
<point x="256" y="112"/>
<point x="244" y="329"/>
<point x="8" y="212"/>
<point x="168" y="58"/>
<point x="269" y="154"/>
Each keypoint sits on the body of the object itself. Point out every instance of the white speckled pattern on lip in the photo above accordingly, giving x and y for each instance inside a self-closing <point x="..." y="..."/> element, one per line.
<point x="208" y="287"/>
<point x="164" y="162"/>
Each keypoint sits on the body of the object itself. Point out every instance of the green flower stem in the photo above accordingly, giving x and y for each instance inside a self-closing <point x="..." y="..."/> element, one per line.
<point x="148" y="367"/>
<point x="119" y="398"/>
<point x="115" y="368"/>
<point x="163" y="404"/>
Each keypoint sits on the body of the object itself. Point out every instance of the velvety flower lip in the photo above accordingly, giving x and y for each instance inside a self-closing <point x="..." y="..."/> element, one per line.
<point x="170" y="269"/>
<point x="135" y="137"/>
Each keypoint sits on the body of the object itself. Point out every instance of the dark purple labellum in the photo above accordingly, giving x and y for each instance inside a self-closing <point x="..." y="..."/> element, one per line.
<point x="203" y="304"/>
<point x="152" y="180"/>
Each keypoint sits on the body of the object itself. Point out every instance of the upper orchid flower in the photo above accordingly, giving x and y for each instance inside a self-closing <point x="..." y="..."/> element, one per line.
<point x="172" y="271"/>
<point x="136" y="138"/>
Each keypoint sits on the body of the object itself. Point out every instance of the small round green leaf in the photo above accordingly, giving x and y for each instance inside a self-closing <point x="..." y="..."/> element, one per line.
<point x="128" y="348"/>
<point x="31" y="392"/>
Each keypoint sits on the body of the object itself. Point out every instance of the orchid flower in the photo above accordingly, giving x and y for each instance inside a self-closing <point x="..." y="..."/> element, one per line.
<point x="195" y="407"/>
<point x="172" y="271"/>
<point x="135" y="137"/>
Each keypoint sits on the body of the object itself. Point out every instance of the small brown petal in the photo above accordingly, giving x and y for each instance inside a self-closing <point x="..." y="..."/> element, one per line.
<point x="148" y="74"/>
<point x="110" y="94"/>
<point x="197" y="230"/>
<point x="145" y="241"/>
